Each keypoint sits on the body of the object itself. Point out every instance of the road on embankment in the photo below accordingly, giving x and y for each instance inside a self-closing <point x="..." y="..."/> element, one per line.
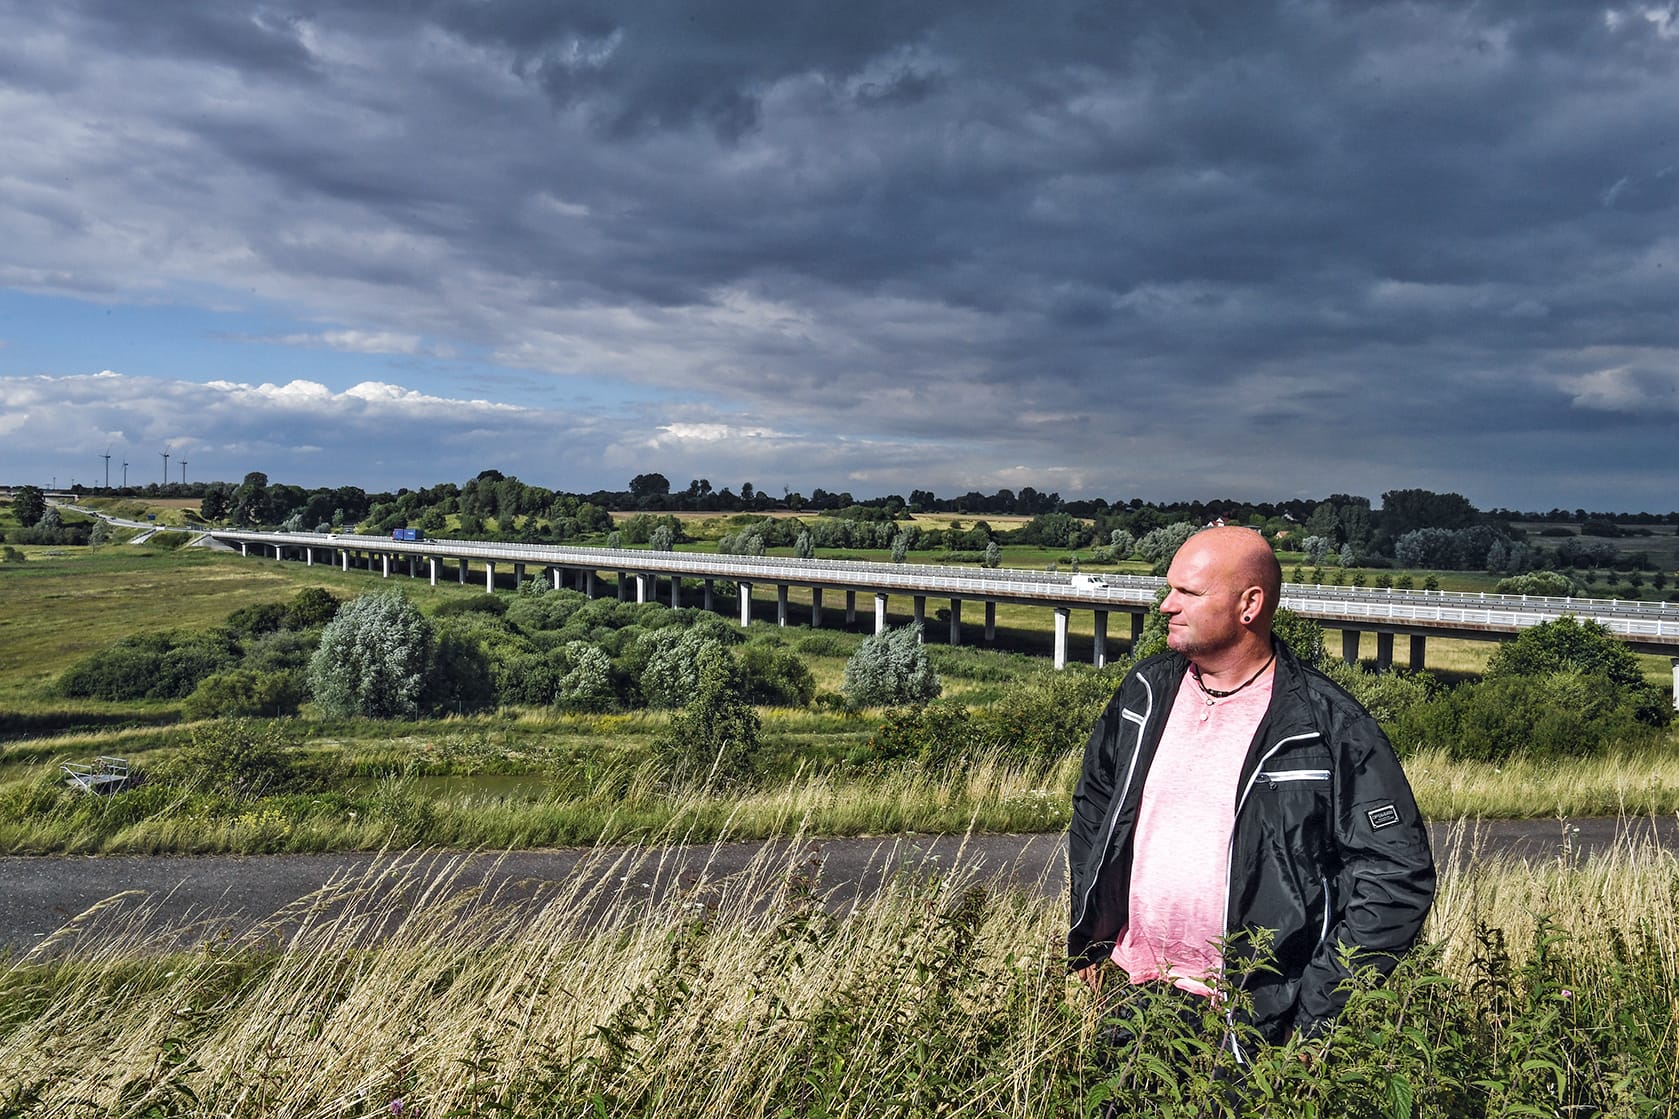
<point x="185" y="898"/>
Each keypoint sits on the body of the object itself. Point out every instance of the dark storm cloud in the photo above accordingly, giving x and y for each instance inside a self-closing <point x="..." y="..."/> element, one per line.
<point x="1383" y="232"/>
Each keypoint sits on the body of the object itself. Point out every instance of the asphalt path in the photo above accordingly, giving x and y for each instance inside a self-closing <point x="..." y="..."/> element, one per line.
<point x="52" y="901"/>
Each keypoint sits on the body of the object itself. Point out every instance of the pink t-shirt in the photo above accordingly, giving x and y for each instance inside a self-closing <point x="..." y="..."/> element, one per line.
<point x="1181" y="860"/>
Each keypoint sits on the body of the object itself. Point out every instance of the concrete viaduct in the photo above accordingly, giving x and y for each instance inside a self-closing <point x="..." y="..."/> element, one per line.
<point x="1646" y="627"/>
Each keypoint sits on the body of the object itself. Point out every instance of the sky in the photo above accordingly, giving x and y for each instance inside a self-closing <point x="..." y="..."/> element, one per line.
<point x="1103" y="248"/>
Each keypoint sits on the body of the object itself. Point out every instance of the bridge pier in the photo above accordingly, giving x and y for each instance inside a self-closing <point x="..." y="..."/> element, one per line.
<point x="384" y="565"/>
<point x="518" y="575"/>
<point x="1676" y="683"/>
<point x="489" y="576"/>
<point x="244" y="549"/>
<point x="879" y="612"/>
<point x="745" y="604"/>
<point x="1061" y="615"/>
<point x="641" y="587"/>
<point x="676" y="592"/>
<point x="556" y="577"/>
<point x="431" y="564"/>
<point x="1384" y="651"/>
<point x="955" y="622"/>
<point x="589" y="583"/>
<point x="462" y="572"/>
<point x="1136" y="631"/>
<point x="1418" y="644"/>
<point x="344" y="558"/>
<point x="850" y="608"/>
<point x="781" y="604"/>
<point x="816" y="608"/>
<point x="920" y="613"/>
<point x="1349" y="645"/>
<point x="708" y="606"/>
<point x="623" y="587"/>
<point x="990" y="622"/>
<point x="308" y="556"/>
<point x="1099" y="649"/>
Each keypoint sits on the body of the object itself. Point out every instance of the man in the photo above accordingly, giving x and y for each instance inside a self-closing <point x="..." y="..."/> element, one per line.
<point x="1229" y="789"/>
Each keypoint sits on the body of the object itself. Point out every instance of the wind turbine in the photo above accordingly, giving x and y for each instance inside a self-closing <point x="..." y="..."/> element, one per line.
<point x="183" y="472"/>
<point x="107" y="457"/>
<point x="125" y="474"/>
<point x="165" y="455"/>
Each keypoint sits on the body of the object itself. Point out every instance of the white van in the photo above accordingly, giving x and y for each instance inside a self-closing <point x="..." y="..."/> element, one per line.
<point x="1090" y="582"/>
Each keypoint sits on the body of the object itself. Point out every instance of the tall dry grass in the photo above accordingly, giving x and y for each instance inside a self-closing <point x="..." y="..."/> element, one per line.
<point x="406" y="991"/>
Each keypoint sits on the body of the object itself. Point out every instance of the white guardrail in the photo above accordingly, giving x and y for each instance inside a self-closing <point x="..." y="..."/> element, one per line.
<point x="1653" y="622"/>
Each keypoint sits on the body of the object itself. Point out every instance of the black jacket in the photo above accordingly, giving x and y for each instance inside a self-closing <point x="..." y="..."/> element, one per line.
<point x="1328" y="848"/>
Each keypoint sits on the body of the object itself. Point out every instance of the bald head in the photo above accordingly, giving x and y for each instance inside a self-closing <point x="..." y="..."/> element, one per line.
<point x="1239" y="561"/>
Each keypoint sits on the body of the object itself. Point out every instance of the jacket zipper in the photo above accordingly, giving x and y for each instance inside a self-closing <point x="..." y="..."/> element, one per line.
<point x="1285" y="776"/>
<point x="1119" y="801"/>
<point x="1230" y="858"/>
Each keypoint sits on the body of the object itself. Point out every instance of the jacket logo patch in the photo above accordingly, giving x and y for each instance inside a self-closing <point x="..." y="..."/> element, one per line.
<point x="1384" y="817"/>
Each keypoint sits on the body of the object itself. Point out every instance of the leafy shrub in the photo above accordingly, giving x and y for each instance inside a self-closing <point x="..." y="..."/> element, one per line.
<point x="775" y="677"/>
<point x="263" y="617"/>
<point x="460" y="679"/>
<point x="150" y="666"/>
<point x="549" y="610"/>
<point x="936" y="735"/>
<point x="236" y="757"/>
<point x="472" y="604"/>
<point x="373" y="659"/>
<point x="891" y="668"/>
<point x="1043" y="720"/>
<point x="1571" y="645"/>
<point x="124" y="671"/>
<point x="243" y="691"/>
<point x="1552" y="584"/>
<point x="1568" y="713"/>
<point x="311" y="607"/>
<point x="191" y="659"/>
<point x="283" y="649"/>
<point x="1386" y="695"/>
<point x="714" y="741"/>
<point x="823" y="645"/>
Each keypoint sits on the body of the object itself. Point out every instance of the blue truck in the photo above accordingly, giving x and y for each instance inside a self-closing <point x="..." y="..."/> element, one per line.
<point x="407" y="534"/>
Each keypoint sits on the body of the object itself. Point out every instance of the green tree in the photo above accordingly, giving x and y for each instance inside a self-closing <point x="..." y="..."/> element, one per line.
<point x="586" y="683"/>
<point x="993" y="554"/>
<point x="715" y="740"/>
<point x="889" y="668"/>
<point x="803" y="547"/>
<point x="310" y="607"/>
<point x="29" y="505"/>
<point x="251" y="502"/>
<point x="217" y="500"/>
<point x="671" y="657"/>
<point x="373" y="659"/>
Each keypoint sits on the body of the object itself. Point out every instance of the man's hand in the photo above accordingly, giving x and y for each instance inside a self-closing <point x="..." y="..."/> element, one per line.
<point x="1091" y="976"/>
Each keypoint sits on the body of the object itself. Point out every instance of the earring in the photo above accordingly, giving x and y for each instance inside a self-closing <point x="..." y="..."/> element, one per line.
<point x="1246" y="619"/>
